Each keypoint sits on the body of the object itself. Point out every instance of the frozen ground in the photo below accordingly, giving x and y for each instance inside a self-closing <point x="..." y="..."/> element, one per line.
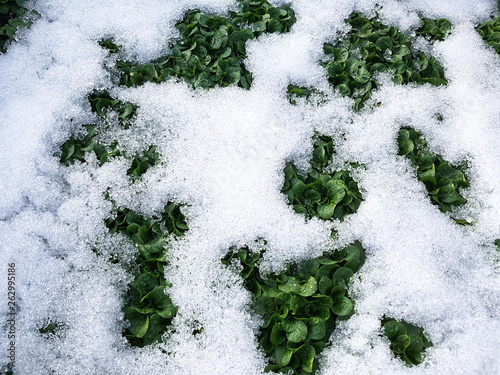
<point x="223" y="152"/>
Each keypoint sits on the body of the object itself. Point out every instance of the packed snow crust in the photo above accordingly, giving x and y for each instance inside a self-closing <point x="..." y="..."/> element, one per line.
<point x="223" y="152"/>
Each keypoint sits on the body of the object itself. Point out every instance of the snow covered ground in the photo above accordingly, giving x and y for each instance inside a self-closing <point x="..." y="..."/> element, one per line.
<point x="223" y="153"/>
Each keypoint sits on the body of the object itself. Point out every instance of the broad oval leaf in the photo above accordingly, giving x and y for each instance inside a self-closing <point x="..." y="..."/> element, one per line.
<point x="297" y="331"/>
<point x="326" y="211"/>
<point x="342" y="306"/>
<point x="282" y="355"/>
<point x="309" y="288"/>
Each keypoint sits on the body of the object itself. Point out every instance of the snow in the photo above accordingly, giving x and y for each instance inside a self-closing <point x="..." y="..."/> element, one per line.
<point x="223" y="152"/>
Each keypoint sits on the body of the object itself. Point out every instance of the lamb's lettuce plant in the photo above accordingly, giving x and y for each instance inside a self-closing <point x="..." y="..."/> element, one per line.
<point x="102" y="102"/>
<point x="311" y="95"/>
<point x="52" y="329"/>
<point x="490" y="32"/>
<point x="442" y="180"/>
<point x="408" y="341"/>
<point x="12" y="18"/>
<point x="370" y="48"/>
<point x="211" y="49"/>
<point x="147" y="308"/>
<point x="6" y="370"/>
<point x="74" y="149"/>
<point x="299" y="306"/>
<point x="434" y="29"/>
<point x="318" y="194"/>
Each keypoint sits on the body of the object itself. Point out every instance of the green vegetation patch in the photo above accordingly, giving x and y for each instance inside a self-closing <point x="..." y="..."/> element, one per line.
<point x="309" y="94"/>
<point x="490" y="32"/>
<point x="211" y="49"/>
<point x="101" y="103"/>
<point x="408" y="341"/>
<point x="75" y="148"/>
<point x="300" y="305"/>
<point x="147" y="308"/>
<point x="52" y="329"/>
<point x="371" y="47"/>
<point x="11" y="19"/>
<point x="316" y="194"/>
<point x="6" y="370"/>
<point x="434" y="29"/>
<point x="442" y="180"/>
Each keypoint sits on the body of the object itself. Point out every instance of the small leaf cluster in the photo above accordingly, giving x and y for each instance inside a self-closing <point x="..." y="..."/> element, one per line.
<point x="441" y="179"/>
<point x="434" y="29"/>
<point x="490" y="32"/>
<point x="316" y="194"/>
<point x="6" y="370"/>
<point x="52" y="329"/>
<point x="407" y="340"/>
<point x="211" y="49"/>
<point x="11" y="19"/>
<point x="294" y="91"/>
<point x="372" y="47"/>
<point x="141" y="163"/>
<point x="48" y="329"/>
<point x="171" y="220"/>
<point x="74" y="149"/>
<point x="110" y="45"/>
<point x="299" y="92"/>
<point x="300" y="305"/>
<point x="102" y="102"/>
<point x="148" y="309"/>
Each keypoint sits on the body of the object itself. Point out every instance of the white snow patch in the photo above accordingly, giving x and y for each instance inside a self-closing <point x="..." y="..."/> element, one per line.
<point x="223" y="152"/>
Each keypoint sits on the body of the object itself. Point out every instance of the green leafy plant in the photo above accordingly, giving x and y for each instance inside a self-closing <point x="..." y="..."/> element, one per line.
<point x="434" y="29"/>
<point x="309" y="94"/>
<point x="52" y="329"/>
<point x="6" y="370"/>
<point x="371" y="47"/>
<point x="408" y="341"/>
<point x="141" y="163"/>
<point x="490" y="32"/>
<point x="75" y="148"/>
<point x="316" y="194"/>
<point x="300" y="305"/>
<point x="299" y="92"/>
<point x="102" y="102"/>
<point x="11" y="19"/>
<point x="211" y="49"/>
<point x="148" y="309"/>
<point x="441" y="179"/>
<point x="110" y="45"/>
